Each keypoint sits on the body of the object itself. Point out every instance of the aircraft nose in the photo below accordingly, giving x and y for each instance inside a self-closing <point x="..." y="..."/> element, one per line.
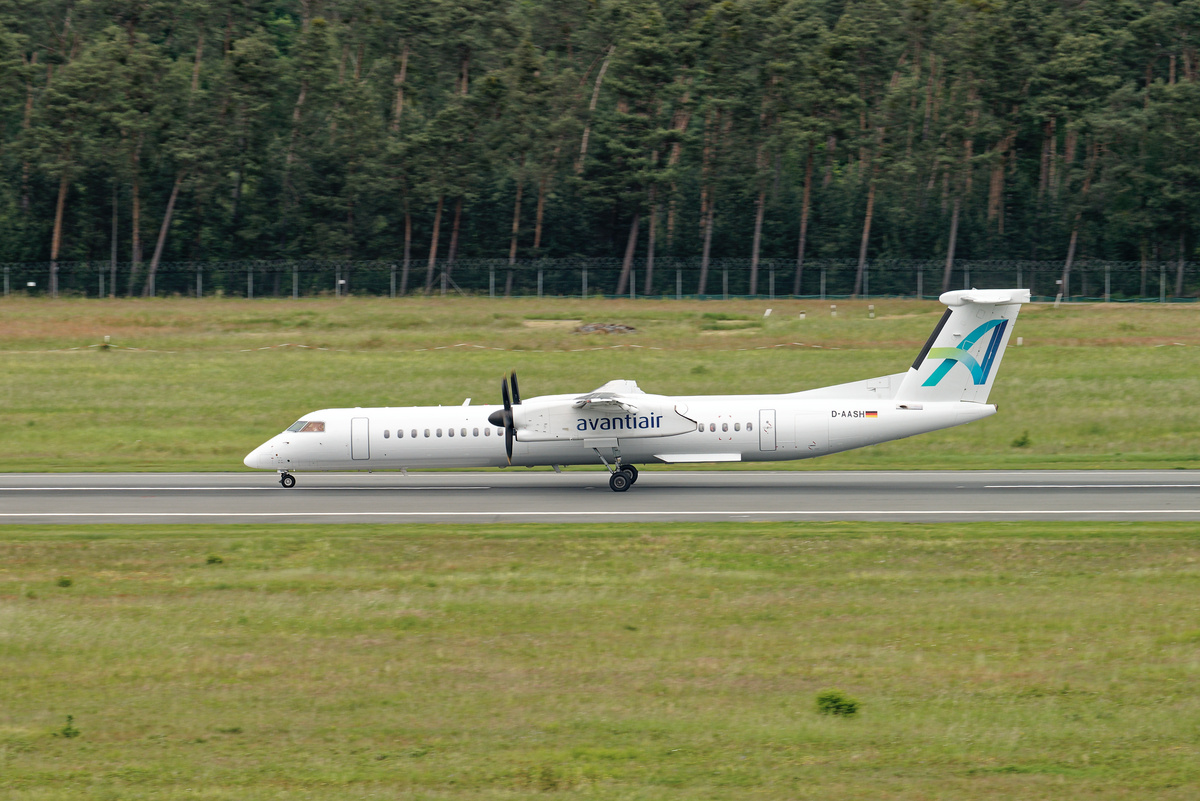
<point x="256" y="457"/>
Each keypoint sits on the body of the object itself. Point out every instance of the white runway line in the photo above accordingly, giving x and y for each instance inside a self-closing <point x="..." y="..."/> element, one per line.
<point x="266" y="488"/>
<point x="1091" y="486"/>
<point x="689" y="513"/>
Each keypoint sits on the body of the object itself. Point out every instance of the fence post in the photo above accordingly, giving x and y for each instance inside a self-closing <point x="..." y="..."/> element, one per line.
<point x="492" y="281"/>
<point x="199" y="281"/>
<point x="1162" y="284"/>
<point x="585" y="282"/>
<point x="1107" y="282"/>
<point x="152" y="287"/>
<point x="632" y="283"/>
<point x="772" y="282"/>
<point x="444" y="279"/>
<point x="967" y="275"/>
<point x="866" y="279"/>
<point x="295" y="281"/>
<point x="6" y="280"/>
<point x="725" y="282"/>
<point x="1020" y="277"/>
<point x="920" y="283"/>
<point x="822" y="283"/>
<point x="249" y="283"/>
<point x="100" y="273"/>
<point x="678" y="284"/>
<point x="393" y="288"/>
<point x="539" y="282"/>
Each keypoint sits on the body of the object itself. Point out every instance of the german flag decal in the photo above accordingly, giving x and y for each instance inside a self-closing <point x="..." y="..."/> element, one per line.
<point x="872" y="414"/>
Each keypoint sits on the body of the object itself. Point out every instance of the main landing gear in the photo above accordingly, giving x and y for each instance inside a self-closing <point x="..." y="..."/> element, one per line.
<point x="622" y="479"/>
<point x="621" y="476"/>
<point x="287" y="479"/>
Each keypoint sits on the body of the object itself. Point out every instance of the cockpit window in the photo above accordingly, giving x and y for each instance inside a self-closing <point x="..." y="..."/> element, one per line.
<point x="296" y="426"/>
<point x="313" y="425"/>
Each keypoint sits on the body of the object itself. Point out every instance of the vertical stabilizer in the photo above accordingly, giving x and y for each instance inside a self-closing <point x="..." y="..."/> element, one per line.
<point x="961" y="357"/>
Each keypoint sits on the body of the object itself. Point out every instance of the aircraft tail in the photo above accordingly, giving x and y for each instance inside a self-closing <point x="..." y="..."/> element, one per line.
<point x="961" y="357"/>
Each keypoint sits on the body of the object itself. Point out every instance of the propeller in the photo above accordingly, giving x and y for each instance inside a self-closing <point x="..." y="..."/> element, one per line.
<point x="504" y="417"/>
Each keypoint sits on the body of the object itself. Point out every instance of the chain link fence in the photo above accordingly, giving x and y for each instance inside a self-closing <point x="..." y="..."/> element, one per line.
<point x="664" y="278"/>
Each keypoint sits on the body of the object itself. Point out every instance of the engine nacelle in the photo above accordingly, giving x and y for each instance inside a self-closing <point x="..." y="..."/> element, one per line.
<point x="650" y="416"/>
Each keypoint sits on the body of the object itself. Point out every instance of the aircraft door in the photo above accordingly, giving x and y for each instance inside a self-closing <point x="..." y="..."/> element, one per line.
<point x="360" y="444"/>
<point x="766" y="429"/>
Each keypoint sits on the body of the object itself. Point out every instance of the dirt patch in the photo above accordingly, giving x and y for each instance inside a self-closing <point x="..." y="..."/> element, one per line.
<point x="605" y="328"/>
<point x="551" y="323"/>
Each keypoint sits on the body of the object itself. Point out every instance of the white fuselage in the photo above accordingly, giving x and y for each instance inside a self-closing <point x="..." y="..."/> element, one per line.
<point x="727" y="428"/>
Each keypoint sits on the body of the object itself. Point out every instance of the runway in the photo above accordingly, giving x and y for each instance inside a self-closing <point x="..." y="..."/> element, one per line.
<point x="523" y="496"/>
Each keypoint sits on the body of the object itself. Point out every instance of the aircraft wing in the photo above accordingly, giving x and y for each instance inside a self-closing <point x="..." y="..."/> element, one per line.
<point x="601" y="400"/>
<point x="614" y="394"/>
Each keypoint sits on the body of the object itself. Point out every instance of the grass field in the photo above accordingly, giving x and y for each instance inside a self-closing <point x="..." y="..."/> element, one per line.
<point x="681" y="661"/>
<point x="238" y="663"/>
<point x="1103" y="385"/>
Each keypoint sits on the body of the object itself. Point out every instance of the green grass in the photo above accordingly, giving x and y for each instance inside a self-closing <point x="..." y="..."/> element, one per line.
<point x="991" y="661"/>
<point x="1092" y="386"/>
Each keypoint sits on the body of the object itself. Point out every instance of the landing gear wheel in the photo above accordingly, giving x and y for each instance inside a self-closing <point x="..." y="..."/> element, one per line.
<point x="632" y="471"/>
<point x="619" y="481"/>
<point x="287" y="480"/>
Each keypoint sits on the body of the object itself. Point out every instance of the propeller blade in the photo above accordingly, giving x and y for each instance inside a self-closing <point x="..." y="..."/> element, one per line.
<point x="516" y="396"/>
<point x="504" y="417"/>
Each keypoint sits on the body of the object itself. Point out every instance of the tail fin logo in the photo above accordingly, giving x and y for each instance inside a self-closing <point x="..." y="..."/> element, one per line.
<point x="959" y="353"/>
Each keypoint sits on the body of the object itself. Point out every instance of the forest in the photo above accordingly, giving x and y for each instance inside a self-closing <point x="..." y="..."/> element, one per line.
<point x="151" y="132"/>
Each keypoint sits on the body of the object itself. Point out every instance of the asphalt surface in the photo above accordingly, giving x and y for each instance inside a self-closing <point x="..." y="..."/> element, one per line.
<point x="521" y="495"/>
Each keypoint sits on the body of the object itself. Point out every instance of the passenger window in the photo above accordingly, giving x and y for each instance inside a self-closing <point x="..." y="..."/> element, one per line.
<point x="700" y="427"/>
<point x="749" y="426"/>
<point x="487" y="432"/>
<point x="386" y="433"/>
<point x="499" y="432"/>
<point x="313" y="425"/>
<point x="399" y="433"/>
<point x="414" y="433"/>
<point x="463" y="432"/>
<point x="450" y="432"/>
<point x="712" y="426"/>
<point x="724" y="426"/>
<point x="439" y="432"/>
<point x="427" y="432"/>
<point x="737" y="426"/>
<point x="474" y="432"/>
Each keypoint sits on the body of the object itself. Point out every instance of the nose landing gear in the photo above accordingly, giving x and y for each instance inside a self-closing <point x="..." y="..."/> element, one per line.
<point x="287" y="479"/>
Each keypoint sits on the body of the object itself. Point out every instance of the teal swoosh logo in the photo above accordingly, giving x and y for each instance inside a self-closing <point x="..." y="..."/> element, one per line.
<point x="959" y="355"/>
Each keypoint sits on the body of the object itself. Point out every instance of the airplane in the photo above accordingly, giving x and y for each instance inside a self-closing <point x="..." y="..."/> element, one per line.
<point x="621" y="426"/>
